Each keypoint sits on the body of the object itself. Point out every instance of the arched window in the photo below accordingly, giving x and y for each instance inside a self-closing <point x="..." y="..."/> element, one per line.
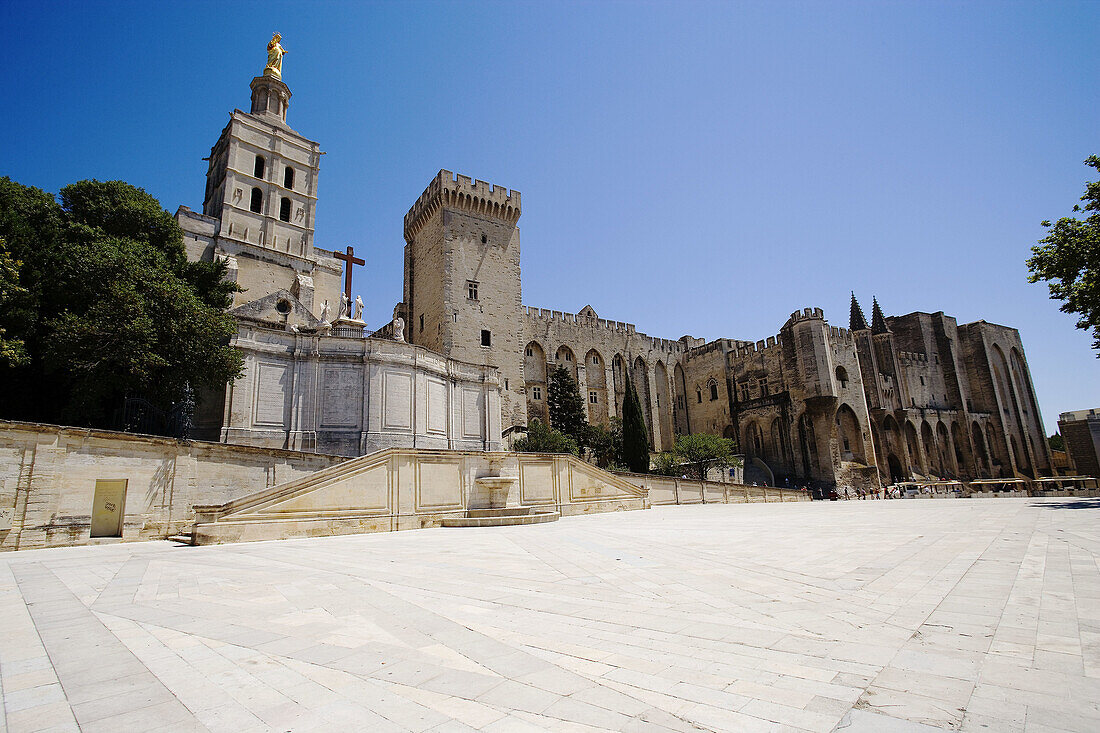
<point x="288" y="177"/>
<point x="713" y="390"/>
<point x="284" y="209"/>
<point x="842" y="376"/>
<point x="257" y="202"/>
<point x="259" y="171"/>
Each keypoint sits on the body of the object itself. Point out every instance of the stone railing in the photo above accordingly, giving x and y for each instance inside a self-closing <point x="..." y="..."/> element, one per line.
<point x="665" y="490"/>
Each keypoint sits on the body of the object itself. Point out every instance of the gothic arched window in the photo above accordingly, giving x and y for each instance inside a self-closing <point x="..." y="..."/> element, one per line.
<point x="257" y="202"/>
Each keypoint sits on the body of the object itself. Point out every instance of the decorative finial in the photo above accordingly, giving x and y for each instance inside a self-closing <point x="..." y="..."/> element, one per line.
<point x="275" y="53"/>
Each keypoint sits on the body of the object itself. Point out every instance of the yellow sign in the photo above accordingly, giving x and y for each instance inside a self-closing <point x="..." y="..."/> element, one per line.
<point x="109" y="507"/>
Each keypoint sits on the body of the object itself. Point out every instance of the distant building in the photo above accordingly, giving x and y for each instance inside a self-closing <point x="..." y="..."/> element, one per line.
<point x="1081" y="432"/>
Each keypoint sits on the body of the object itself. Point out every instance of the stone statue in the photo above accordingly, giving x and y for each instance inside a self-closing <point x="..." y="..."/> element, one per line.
<point x="275" y="53"/>
<point x="324" y="312"/>
<point x="344" y="310"/>
<point x="399" y="329"/>
<point x="358" y="308"/>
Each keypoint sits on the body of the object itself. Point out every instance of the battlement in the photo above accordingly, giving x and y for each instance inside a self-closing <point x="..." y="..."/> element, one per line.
<point x="910" y="357"/>
<point x="723" y="345"/>
<point x="807" y="314"/>
<point x="839" y="334"/>
<point x="749" y="349"/>
<point x="572" y="319"/>
<point x="465" y="193"/>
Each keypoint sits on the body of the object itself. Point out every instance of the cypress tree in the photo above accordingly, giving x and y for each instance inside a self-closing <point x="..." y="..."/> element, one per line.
<point x="567" y="412"/>
<point x="635" y="439"/>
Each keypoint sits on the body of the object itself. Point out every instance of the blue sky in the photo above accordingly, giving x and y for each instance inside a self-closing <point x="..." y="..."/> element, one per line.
<point x="702" y="168"/>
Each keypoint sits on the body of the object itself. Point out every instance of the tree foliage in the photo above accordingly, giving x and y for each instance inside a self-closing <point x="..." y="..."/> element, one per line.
<point x="635" y="437"/>
<point x="567" y="412"/>
<point x="110" y="307"/>
<point x="1068" y="259"/>
<point x="13" y="352"/>
<point x="696" y="454"/>
<point x="605" y="442"/>
<point x="702" y="451"/>
<point x="1056" y="442"/>
<point x="541" y="438"/>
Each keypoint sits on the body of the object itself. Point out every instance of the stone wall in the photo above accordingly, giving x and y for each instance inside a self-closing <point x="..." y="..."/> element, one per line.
<point x="400" y="489"/>
<point x="665" y="490"/>
<point x="48" y="476"/>
<point x="354" y="396"/>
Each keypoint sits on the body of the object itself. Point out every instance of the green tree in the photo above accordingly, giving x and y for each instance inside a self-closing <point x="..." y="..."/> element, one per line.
<point x="606" y="443"/>
<point x="541" y="438"/>
<point x="1068" y="259"/>
<point x="635" y="438"/>
<point x="112" y="306"/>
<point x="567" y="412"/>
<point x="666" y="463"/>
<point x="702" y="451"/>
<point x="1056" y="442"/>
<point x="12" y="350"/>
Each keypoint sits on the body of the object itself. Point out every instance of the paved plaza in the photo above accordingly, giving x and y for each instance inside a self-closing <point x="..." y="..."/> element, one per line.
<point x="849" y="616"/>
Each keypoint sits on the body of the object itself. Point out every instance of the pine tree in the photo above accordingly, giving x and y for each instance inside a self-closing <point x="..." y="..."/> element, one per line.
<point x="566" y="407"/>
<point x="635" y="438"/>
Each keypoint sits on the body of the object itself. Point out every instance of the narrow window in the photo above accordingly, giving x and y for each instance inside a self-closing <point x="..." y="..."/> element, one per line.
<point x="484" y="239"/>
<point x="288" y="178"/>
<point x="471" y="290"/>
<point x="284" y="209"/>
<point x="421" y="323"/>
<point x="259" y="170"/>
<point x="257" y="202"/>
<point x="714" y="390"/>
<point x="595" y="360"/>
<point x="530" y="351"/>
<point x="763" y="386"/>
<point x="593" y="397"/>
<point x="505" y="385"/>
<point x="536" y="392"/>
<point x="486" y="338"/>
<point x="699" y="395"/>
<point x="568" y="356"/>
<point x="922" y="381"/>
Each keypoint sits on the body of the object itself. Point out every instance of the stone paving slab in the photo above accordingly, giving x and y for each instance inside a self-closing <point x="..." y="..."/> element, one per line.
<point x="907" y="616"/>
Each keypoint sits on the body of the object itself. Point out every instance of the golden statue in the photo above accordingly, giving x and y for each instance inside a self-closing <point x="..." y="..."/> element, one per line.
<point x="275" y="57"/>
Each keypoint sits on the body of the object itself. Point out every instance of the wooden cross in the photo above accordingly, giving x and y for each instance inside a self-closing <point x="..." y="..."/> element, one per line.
<point x="349" y="260"/>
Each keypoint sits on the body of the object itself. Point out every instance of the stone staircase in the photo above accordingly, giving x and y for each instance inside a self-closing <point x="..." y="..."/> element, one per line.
<point x="505" y="517"/>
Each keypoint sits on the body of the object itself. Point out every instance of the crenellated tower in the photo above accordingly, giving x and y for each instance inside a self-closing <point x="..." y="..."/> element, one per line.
<point x="462" y="294"/>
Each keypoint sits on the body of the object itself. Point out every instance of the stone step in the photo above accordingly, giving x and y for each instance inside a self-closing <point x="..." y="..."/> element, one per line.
<point x="187" y="538"/>
<point x="501" y="520"/>
<point x="511" y="511"/>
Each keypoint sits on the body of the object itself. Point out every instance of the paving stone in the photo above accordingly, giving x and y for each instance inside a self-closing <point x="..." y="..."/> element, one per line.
<point x="888" y="616"/>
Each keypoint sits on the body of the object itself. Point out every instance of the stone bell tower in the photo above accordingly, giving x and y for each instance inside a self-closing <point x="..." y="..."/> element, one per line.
<point x="261" y="202"/>
<point x="462" y="280"/>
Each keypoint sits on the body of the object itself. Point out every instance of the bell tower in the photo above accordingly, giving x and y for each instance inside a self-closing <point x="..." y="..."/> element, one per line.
<point x="261" y="200"/>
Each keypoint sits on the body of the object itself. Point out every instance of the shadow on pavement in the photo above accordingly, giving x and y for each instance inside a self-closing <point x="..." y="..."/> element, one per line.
<point x="1069" y="504"/>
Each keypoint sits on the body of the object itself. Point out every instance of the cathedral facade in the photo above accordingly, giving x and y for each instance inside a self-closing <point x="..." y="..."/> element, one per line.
<point x="911" y="396"/>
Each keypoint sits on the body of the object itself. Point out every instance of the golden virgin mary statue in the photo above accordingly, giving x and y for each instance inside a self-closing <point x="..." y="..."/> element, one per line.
<point x="274" y="57"/>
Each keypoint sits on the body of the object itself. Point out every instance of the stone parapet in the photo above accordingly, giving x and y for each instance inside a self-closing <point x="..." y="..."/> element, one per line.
<point x="462" y="192"/>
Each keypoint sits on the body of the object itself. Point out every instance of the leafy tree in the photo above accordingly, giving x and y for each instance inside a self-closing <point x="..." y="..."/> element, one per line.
<point x="1069" y="260"/>
<point x="606" y="443"/>
<point x="12" y="350"/>
<point x="541" y="438"/>
<point x="666" y="463"/>
<point x="1056" y="442"/>
<point x="635" y="438"/>
<point x="112" y="306"/>
<point x="567" y="412"/>
<point x="703" y="450"/>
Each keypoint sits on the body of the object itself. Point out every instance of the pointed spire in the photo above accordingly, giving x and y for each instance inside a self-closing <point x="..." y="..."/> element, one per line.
<point x="878" y="321"/>
<point x="856" y="321"/>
